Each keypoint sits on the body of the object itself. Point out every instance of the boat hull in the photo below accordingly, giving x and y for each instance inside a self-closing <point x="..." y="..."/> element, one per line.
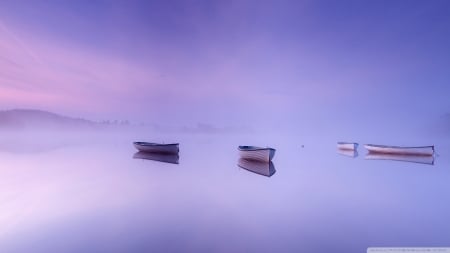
<point x="347" y="145"/>
<point x="256" y="153"/>
<point x="157" y="148"/>
<point x="424" y="150"/>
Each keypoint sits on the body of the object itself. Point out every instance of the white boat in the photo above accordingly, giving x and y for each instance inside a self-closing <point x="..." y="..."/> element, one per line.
<point x="159" y="157"/>
<point x="256" y="153"/>
<point x="424" y="150"/>
<point x="424" y="159"/>
<point x="156" y="147"/>
<point x="261" y="168"/>
<point x="347" y="145"/>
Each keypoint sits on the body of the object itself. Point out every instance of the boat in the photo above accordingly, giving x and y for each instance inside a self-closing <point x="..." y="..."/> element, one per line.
<point x="261" y="168"/>
<point x="157" y="147"/>
<point x="348" y="152"/>
<point x="423" y="150"/>
<point x="256" y="153"/>
<point x="159" y="157"/>
<point x="347" y="145"/>
<point x="423" y="159"/>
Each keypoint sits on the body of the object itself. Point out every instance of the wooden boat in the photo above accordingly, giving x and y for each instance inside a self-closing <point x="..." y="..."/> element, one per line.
<point x="423" y="159"/>
<point x="156" y="147"/>
<point x="256" y="153"/>
<point x="261" y="168"/>
<point x="348" y="152"/>
<point x="347" y="145"/>
<point x="424" y="150"/>
<point x="159" y="157"/>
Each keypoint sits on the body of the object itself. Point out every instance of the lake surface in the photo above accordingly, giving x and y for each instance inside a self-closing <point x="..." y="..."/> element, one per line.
<point x="88" y="194"/>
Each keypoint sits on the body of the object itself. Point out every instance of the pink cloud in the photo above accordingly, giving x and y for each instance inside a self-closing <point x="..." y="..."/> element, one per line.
<point x="41" y="72"/>
<point x="44" y="75"/>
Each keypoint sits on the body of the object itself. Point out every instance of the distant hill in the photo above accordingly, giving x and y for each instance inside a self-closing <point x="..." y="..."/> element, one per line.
<point x="19" y="119"/>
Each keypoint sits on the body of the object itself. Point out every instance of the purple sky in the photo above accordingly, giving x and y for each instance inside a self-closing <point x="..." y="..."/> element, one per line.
<point x="227" y="62"/>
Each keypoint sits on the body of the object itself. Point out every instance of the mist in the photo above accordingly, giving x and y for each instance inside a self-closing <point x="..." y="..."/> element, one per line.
<point x="82" y="81"/>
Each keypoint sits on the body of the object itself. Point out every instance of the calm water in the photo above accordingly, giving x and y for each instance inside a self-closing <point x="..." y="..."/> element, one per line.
<point x="89" y="194"/>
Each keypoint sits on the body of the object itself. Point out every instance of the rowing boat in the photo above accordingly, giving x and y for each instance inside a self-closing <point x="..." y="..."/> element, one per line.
<point x="256" y="153"/>
<point x="261" y="168"/>
<point x="159" y="157"/>
<point x="424" y="159"/>
<point x="156" y="147"/>
<point x="347" y="145"/>
<point x="423" y="150"/>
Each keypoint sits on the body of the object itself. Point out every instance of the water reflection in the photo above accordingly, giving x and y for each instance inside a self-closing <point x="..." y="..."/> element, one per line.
<point x="348" y="152"/>
<point x="261" y="168"/>
<point x="102" y="205"/>
<point x="160" y="157"/>
<point x="402" y="158"/>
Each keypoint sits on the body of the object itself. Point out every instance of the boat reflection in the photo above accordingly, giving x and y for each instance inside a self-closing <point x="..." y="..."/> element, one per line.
<point x="262" y="168"/>
<point x="348" y="152"/>
<point x="159" y="157"/>
<point x="401" y="158"/>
